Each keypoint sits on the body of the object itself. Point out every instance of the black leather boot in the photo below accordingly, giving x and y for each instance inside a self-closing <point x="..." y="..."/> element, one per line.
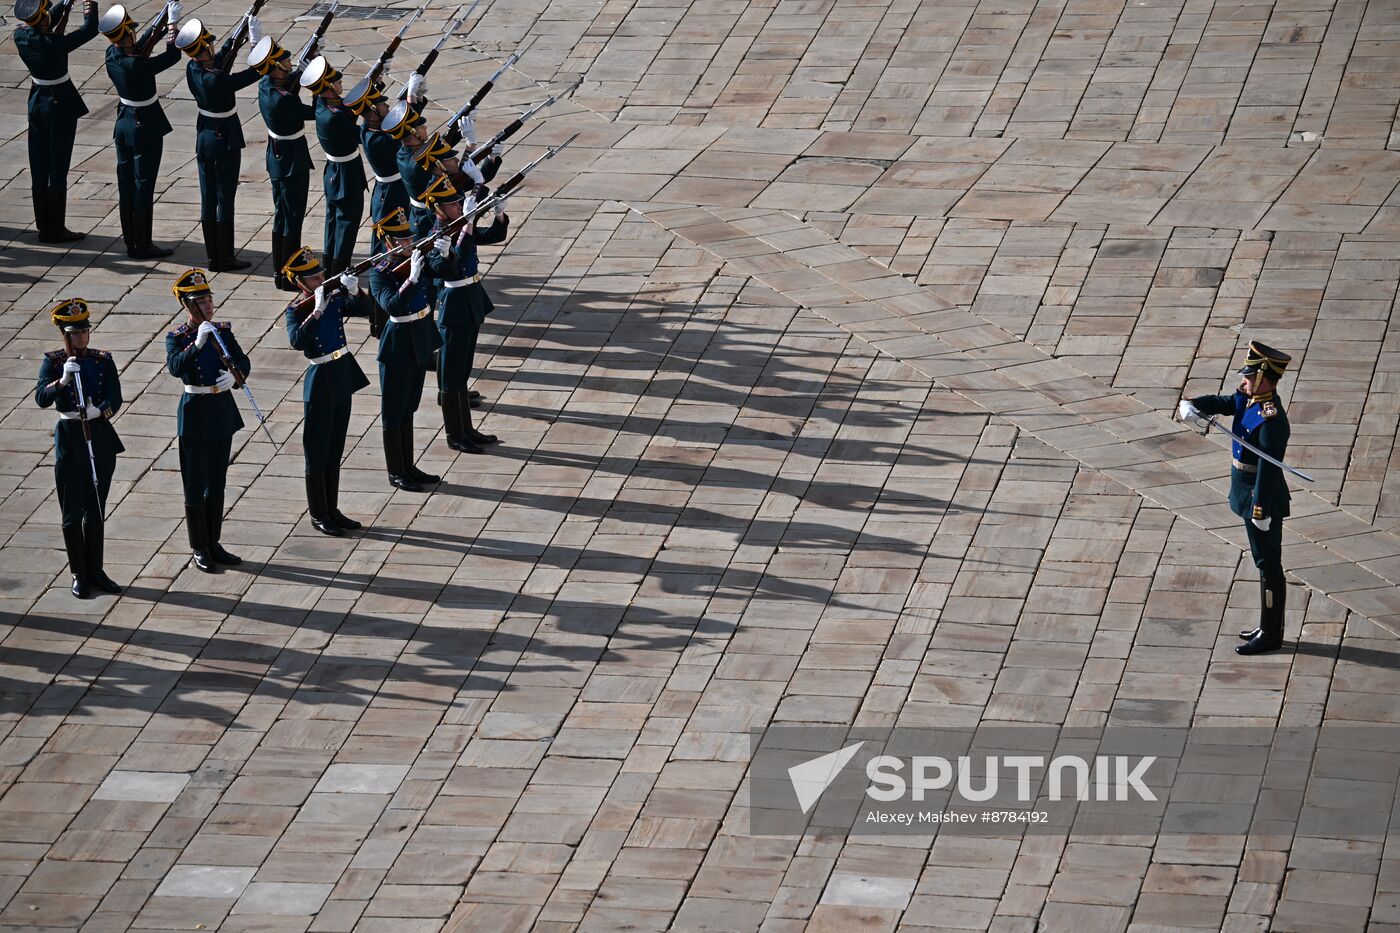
<point x="77" y="559"/>
<point x="39" y="198"/>
<point x="97" y="577"/>
<point x="333" y="500"/>
<point x="1270" y="636"/>
<point x="410" y="468"/>
<point x="142" y="217"/>
<point x="124" y="212"/>
<point x="214" y="513"/>
<point x="197" y="526"/>
<point x="58" y="218"/>
<point x="393" y="459"/>
<point x="316" y="505"/>
<point x="453" y="422"/>
<point x="471" y="433"/>
<point x="228" y="262"/>
<point x="211" y="245"/>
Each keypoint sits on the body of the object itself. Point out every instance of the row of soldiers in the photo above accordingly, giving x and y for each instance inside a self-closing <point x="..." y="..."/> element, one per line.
<point x="133" y="66"/>
<point x="425" y="301"/>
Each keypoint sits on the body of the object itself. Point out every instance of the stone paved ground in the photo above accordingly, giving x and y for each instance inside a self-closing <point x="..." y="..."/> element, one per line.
<point x="832" y="364"/>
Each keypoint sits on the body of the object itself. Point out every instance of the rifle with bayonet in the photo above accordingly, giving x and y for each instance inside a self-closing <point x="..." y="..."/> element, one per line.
<point x="392" y="47"/>
<point x="238" y="37"/>
<point x="147" y="43"/>
<point x="479" y="154"/>
<point x="308" y="304"/>
<point x="452" y="134"/>
<point x="83" y="418"/>
<point x="422" y="70"/>
<point x="313" y="45"/>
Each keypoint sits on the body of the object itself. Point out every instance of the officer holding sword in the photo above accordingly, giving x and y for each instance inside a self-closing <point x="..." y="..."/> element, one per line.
<point x="1258" y="493"/>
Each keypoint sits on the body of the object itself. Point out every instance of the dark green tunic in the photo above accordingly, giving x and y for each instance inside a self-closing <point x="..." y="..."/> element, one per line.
<point x="218" y="145"/>
<point x="343" y="177"/>
<point x="54" y="109"/>
<point x="382" y="151"/>
<point x="72" y="469"/>
<point x="288" y="160"/>
<point x="329" y="387"/>
<point x="138" y="131"/>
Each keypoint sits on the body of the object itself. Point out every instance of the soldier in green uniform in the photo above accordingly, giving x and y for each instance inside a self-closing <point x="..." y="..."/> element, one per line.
<point x="344" y="174"/>
<point x="405" y="351"/>
<point x="81" y="383"/>
<point x="462" y="306"/>
<point x="207" y="358"/>
<point x="140" y="125"/>
<point x="381" y="149"/>
<point x="332" y="379"/>
<point x="218" y="147"/>
<point x="1258" y="493"/>
<point x="288" y="156"/>
<point x="54" y="109"/>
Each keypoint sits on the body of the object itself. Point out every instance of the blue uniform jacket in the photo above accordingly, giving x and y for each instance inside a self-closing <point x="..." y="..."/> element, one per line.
<point x="334" y="379"/>
<point x="46" y="57"/>
<point x="204" y="416"/>
<point x="134" y="77"/>
<point x="339" y="134"/>
<point x="455" y="304"/>
<point x="215" y="92"/>
<point x="407" y="344"/>
<point x="104" y="390"/>
<point x="284" y="114"/>
<point x="1257" y="488"/>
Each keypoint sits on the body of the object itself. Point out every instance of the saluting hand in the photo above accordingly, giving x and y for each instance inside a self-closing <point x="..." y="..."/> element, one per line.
<point x="70" y="369"/>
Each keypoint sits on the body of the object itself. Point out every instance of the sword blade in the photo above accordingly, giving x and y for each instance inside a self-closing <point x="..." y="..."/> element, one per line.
<point x="1261" y="454"/>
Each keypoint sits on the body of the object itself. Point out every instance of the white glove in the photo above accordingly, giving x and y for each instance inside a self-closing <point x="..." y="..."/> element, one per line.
<point x="1263" y="523"/>
<point x="415" y="266"/>
<point x="225" y="380"/>
<point x="443" y="246"/>
<point x="417" y="88"/>
<point x="320" y="307"/>
<point x="472" y="171"/>
<point x="1185" y="411"/>
<point x="69" y="368"/>
<point x="92" y="411"/>
<point x="467" y="127"/>
<point x="175" y="11"/>
<point x="501" y="207"/>
<point x="201" y="337"/>
<point x="384" y="72"/>
<point x="351" y="282"/>
<point x="469" y="204"/>
<point x="496" y="151"/>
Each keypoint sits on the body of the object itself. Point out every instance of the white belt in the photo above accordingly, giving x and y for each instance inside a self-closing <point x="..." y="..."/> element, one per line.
<point x="202" y="390"/>
<point x="138" y="103"/>
<point x="386" y="179"/>
<point x="1244" y="467"/>
<point x="418" y="204"/>
<point x="297" y="135"/>
<point x="50" y="82"/>
<point x="410" y="318"/>
<point x="333" y="355"/>
<point x="458" y="283"/>
<point x="217" y="116"/>
<point x="345" y="158"/>
<point x="74" y="415"/>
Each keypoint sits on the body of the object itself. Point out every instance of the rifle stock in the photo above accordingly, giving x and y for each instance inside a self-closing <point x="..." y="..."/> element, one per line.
<point x="147" y="43"/>
<point x="238" y="37"/>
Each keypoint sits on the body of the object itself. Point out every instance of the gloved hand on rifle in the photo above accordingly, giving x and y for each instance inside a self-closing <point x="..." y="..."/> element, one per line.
<point x="255" y="32"/>
<point x="1185" y="411"/>
<point x="351" y="282"/>
<point x="225" y="382"/>
<point x="320" y="305"/>
<point x="501" y="208"/>
<point x="467" y="127"/>
<point x="201" y="337"/>
<point x="417" y="88"/>
<point x="472" y="172"/>
<point x="92" y="411"/>
<point x="175" y="11"/>
<point x="415" y="266"/>
<point x="70" y="369"/>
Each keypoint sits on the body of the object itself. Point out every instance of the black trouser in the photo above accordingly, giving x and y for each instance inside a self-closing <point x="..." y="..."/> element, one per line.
<point x="204" y="468"/>
<point x="76" y="497"/>
<point x="343" y="228"/>
<point x="1266" y="547"/>
<point x="51" y="151"/>
<point x="218" y="184"/>
<point x="323" y="432"/>
<point x="138" y="167"/>
<point x="400" y="392"/>
<point x="289" y="208"/>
